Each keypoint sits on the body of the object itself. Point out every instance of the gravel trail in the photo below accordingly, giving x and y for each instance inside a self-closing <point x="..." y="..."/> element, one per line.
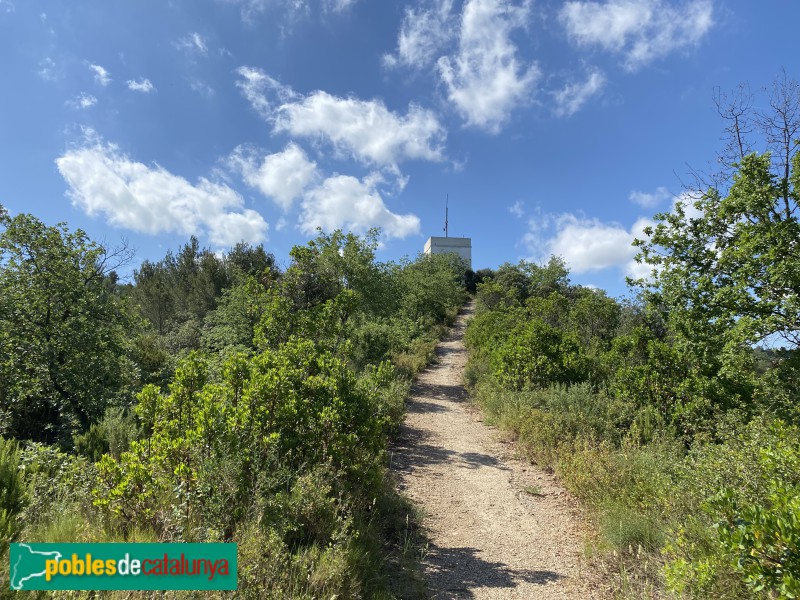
<point x="497" y="527"/>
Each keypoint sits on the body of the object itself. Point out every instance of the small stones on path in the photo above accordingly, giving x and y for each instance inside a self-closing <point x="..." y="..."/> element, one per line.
<point x="487" y="536"/>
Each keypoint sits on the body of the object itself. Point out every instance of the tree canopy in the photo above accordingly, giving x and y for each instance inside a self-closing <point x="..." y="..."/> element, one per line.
<point x="63" y="330"/>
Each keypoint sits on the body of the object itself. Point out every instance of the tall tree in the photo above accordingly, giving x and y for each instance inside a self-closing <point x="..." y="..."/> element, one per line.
<point x="732" y="265"/>
<point x="62" y="330"/>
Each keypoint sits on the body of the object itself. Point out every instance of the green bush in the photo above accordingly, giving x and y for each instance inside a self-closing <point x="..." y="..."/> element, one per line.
<point x="13" y="492"/>
<point x="92" y="444"/>
<point x="114" y="434"/>
<point x="738" y="515"/>
<point x="538" y="355"/>
<point x="56" y="480"/>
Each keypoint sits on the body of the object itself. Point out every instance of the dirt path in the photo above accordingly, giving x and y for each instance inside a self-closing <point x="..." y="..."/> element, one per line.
<point x="497" y="527"/>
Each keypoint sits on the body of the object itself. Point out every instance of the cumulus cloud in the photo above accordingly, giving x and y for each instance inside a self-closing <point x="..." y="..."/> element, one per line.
<point x="141" y="85"/>
<point x="101" y="76"/>
<point x="82" y="101"/>
<point x="649" y="199"/>
<point x="424" y="32"/>
<point x="590" y="245"/>
<point x="640" y="30"/>
<point x="516" y="209"/>
<point x="346" y="202"/>
<point x="571" y="98"/>
<point x="587" y="244"/>
<point x="365" y="130"/>
<point x="484" y="79"/>
<point x="193" y="43"/>
<point x="264" y="93"/>
<point x="282" y="176"/>
<point x="474" y="54"/>
<point x="149" y="199"/>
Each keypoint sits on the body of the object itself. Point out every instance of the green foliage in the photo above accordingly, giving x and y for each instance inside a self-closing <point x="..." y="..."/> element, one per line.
<point x="92" y="444"/>
<point x="113" y="434"/>
<point x="13" y="492"/>
<point x="239" y="310"/>
<point x="537" y="355"/>
<point x="177" y="294"/>
<point x="387" y="392"/>
<point x="742" y="515"/>
<point x="657" y="413"/>
<point x="431" y="287"/>
<point x="273" y="436"/>
<point x="733" y="267"/>
<point x="62" y="331"/>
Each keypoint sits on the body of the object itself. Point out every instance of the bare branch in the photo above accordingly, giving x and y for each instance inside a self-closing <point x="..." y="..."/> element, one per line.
<point x="735" y="109"/>
<point x="780" y="126"/>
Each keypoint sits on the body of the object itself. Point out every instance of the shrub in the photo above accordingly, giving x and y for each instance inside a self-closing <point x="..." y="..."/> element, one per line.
<point x="92" y="444"/>
<point x="12" y="492"/>
<point x="537" y="355"/>
<point x="739" y="514"/>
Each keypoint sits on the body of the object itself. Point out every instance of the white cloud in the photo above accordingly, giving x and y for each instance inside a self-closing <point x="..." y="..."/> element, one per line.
<point x="202" y="88"/>
<point x="516" y="209"/>
<point x="291" y="9"/>
<point x="649" y="200"/>
<point x="48" y="70"/>
<point x="193" y="43"/>
<point x="101" y="76"/>
<point x="342" y="201"/>
<point x="129" y="194"/>
<point x="338" y="5"/>
<point x="571" y="98"/>
<point x="141" y="85"/>
<point x="282" y="176"/>
<point x="250" y="9"/>
<point x="262" y="91"/>
<point x="590" y="245"/>
<point x="82" y="101"/>
<point x="484" y="79"/>
<point x="423" y="34"/>
<point x="7" y="6"/>
<point x="366" y="129"/>
<point x="640" y="30"/>
<point x="586" y="244"/>
<point x="363" y="129"/>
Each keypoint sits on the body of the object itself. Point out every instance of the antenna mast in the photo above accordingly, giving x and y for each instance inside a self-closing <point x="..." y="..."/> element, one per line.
<point x="446" y="214"/>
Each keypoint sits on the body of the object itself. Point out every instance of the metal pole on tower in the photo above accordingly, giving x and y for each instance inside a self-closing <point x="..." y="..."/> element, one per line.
<point x="446" y="214"/>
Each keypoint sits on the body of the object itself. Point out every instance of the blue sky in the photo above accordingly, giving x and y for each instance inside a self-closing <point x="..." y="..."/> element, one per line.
<point x="555" y="127"/>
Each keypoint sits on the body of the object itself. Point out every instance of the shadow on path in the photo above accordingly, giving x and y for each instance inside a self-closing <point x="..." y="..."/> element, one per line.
<point x="455" y="572"/>
<point x="412" y="451"/>
<point x="454" y="393"/>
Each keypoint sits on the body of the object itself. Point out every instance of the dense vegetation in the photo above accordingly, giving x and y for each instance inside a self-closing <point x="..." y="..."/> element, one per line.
<point x="674" y="415"/>
<point x="216" y="398"/>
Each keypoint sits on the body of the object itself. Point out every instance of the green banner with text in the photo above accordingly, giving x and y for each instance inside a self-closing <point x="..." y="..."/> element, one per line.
<point x="122" y="566"/>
